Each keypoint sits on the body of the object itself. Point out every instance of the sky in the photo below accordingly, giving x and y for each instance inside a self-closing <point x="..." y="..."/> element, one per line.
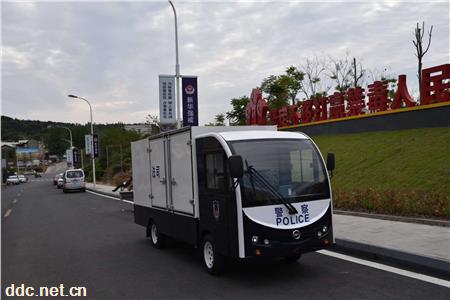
<point x="111" y="53"/>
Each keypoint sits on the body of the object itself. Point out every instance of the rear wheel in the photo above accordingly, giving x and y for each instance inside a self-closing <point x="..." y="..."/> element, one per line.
<point x="213" y="261"/>
<point x="64" y="190"/>
<point x="156" y="238"/>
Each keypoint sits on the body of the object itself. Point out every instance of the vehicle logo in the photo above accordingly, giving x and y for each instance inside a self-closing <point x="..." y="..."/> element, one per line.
<point x="216" y="209"/>
<point x="296" y="234"/>
<point x="189" y="89"/>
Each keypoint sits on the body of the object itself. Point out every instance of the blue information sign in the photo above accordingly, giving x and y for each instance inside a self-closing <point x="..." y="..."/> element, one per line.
<point x="190" y="101"/>
<point x="96" y="147"/>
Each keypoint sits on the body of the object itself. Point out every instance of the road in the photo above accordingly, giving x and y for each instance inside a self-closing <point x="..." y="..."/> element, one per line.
<point x="80" y="239"/>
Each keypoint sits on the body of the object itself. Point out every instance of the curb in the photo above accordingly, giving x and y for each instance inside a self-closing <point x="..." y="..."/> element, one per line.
<point x="432" y="222"/>
<point x="110" y="194"/>
<point x="434" y="265"/>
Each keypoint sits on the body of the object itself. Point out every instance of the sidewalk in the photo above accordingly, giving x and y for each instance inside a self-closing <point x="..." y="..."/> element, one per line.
<point x="418" y="245"/>
<point x="413" y="244"/>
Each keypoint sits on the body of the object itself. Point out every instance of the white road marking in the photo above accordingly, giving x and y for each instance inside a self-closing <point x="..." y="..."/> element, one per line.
<point x="8" y="212"/>
<point x="110" y="197"/>
<point x="19" y="194"/>
<point x="375" y="265"/>
<point x="15" y="201"/>
<point x="386" y="268"/>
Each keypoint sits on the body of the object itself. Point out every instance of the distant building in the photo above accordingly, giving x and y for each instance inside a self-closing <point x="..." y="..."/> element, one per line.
<point x="22" y="153"/>
<point x="139" y="128"/>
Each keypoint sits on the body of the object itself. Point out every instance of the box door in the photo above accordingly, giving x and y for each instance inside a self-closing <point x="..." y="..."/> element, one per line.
<point x="181" y="173"/>
<point x="141" y="172"/>
<point x="158" y="173"/>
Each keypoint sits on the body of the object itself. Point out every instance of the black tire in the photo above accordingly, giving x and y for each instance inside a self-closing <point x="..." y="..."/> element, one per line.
<point x="156" y="238"/>
<point x="58" y="186"/>
<point x="64" y="191"/>
<point x="292" y="259"/>
<point x="83" y="190"/>
<point x="213" y="261"/>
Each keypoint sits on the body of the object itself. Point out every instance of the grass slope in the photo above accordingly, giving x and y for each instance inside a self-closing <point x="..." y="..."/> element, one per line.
<point x="403" y="172"/>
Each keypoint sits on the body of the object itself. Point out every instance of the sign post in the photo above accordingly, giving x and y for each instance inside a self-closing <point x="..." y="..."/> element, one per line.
<point x="190" y="101"/>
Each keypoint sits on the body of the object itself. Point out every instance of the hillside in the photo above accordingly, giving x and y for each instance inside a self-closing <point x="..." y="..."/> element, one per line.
<point x="403" y="172"/>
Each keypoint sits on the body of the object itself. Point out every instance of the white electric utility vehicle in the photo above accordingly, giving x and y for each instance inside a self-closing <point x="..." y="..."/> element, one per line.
<point x="234" y="192"/>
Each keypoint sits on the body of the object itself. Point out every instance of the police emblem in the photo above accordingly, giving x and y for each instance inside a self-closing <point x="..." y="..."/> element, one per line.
<point x="216" y="209"/>
<point x="190" y="90"/>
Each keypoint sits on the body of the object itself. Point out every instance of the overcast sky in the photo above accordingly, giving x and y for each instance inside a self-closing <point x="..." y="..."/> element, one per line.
<point x="112" y="52"/>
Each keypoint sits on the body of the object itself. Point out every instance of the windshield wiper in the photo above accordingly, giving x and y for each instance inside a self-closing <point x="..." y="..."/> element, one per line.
<point x="253" y="172"/>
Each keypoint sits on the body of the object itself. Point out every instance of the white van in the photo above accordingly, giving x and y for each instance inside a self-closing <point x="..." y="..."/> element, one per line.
<point x="74" y="180"/>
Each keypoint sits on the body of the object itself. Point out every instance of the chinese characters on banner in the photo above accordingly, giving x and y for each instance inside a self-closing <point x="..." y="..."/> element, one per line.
<point x="88" y="144"/>
<point x="95" y="146"/>
<point x="190" y="101"/>
<point x="435" y="87"/>
<point x="167" y="99"/>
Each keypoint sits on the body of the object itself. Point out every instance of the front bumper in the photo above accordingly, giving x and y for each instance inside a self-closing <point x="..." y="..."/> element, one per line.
<point x="281" y="242"/>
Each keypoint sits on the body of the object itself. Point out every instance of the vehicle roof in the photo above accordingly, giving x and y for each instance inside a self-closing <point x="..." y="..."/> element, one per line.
<point x="73" y="170"/>
<point x="256" y="134"/>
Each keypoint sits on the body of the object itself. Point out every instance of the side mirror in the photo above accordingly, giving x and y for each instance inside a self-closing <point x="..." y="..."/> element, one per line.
<point x="330" y="162"/>
<point x="236" y="166"/>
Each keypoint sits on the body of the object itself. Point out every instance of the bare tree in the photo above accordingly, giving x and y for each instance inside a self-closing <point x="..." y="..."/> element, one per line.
<point x="313" y="84"/>
<point x="420" y="53"/>
<point x="153" y="122"/>
<point x="340" y="71"/>
<point x="357" y="75"/>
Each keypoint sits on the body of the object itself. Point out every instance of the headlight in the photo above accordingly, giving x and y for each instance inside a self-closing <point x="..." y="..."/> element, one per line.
<point x="266" y="242"/>
<point x="255" y="239"/>
<point x="324" y="229"/>
<point x="319" y="234"/>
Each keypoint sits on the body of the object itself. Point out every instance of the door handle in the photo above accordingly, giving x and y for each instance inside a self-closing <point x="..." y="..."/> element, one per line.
<point x="163" y="180"/>
<point x="173" y="181"/>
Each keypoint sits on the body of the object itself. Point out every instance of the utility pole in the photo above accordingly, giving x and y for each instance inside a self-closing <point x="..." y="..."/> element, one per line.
<point x="177" y="67"/>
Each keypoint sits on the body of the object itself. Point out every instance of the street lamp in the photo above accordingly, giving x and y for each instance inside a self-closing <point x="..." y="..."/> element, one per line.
<point x="70" y="133"/>
<point x="177" y="67"/>
<point x="92" y="134"/>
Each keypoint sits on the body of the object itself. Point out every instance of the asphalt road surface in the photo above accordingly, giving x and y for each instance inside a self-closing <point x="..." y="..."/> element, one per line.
<point x="80" y="239"/>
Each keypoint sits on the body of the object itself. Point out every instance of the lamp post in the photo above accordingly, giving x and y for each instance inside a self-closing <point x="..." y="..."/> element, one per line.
<point x="70" y="133"/>
<point x="92" y="134"/>
<point x="177" y="67"/>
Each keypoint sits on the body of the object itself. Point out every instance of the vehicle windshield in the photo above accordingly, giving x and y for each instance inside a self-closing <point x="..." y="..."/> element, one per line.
<point x="292" y="167"/>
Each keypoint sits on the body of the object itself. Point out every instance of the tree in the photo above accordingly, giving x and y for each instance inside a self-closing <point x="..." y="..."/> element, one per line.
<point x="276" y="88"/>
<point x="313" y="70"/>
<point x="420" y="53"/>
<point x="237" y="116"/>
<point x="384" y="75"/>
<point x="340" y="71"/>
<point x="153" y="122"/>
<point x="296" y="78"/>
<point x="219" y="120"/>
<point x="280" y="89"/>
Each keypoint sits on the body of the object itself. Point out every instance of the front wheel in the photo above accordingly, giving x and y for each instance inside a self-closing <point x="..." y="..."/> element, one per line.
<point x="214" y="261"/>
<point x="156" y="238"/>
